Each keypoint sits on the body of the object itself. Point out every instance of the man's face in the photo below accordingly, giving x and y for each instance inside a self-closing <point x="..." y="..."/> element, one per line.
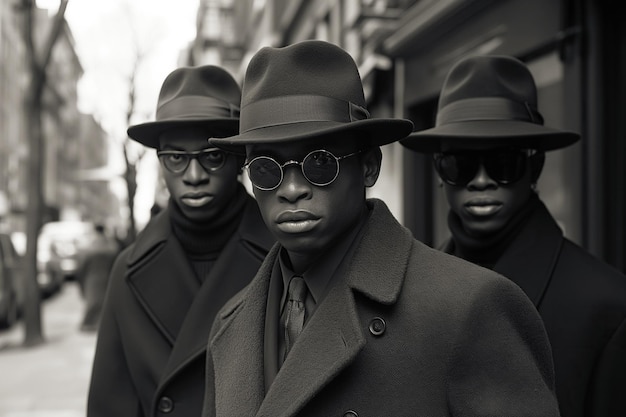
<point x="483" y="202"/>
<point x="200" y="193"/>
<point x="307" y="219"/>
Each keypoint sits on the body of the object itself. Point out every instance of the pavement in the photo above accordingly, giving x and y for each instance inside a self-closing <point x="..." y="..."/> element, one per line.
<point x="52" y="379"/>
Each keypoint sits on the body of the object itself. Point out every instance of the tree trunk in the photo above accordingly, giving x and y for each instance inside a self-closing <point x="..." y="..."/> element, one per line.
<point x="32" y="309"/>
<point x="33" y="107"/>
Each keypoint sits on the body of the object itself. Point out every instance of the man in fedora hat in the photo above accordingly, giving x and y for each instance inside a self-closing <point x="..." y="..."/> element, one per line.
<point x="349" y="315"/>
<point x="192" y="257"/>
<point x="489" y="147"/>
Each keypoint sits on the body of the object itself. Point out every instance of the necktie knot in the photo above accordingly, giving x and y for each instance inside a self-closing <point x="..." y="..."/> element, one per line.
<point x="297" y="289"/>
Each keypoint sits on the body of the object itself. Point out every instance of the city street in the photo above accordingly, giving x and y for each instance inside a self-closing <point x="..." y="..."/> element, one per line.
<point x="49" y="380"/>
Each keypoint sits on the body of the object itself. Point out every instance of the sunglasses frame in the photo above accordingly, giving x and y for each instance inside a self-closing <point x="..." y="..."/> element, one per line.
<point x="192" y="155"/>
<point x="528" y="153"/>
<point x="301" y="164"/>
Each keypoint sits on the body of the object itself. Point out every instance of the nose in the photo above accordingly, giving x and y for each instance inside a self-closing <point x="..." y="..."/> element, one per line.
<point x="195" y="174"/>
<point x="482" y="180"/>
<point x="294" y="186"/>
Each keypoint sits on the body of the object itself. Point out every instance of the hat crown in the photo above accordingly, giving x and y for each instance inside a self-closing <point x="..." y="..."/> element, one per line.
<point x="489" y="76"/>
<point x="198" y="92"/>
<point x="307" y="68"/>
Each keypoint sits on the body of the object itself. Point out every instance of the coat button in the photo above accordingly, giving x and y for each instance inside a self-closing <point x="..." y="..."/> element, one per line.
<point x="377" y="326"/>
<point x="350" y="413"/>
<point x="166" y="405"/>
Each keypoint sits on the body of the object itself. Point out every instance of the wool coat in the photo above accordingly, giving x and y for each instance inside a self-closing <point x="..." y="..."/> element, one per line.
<point x="152" y="339"/>
<point x="582" y="302"/>
<point x="405" y="330"/>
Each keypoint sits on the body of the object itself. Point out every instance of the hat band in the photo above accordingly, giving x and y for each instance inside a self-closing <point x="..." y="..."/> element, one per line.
<point x="196" y="107"/>
<point x="488" y="108"/>
<point x="276" y="111"/>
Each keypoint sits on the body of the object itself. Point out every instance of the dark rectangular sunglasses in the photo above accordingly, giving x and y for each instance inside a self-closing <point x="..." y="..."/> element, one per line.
<point x="504" y="166"/>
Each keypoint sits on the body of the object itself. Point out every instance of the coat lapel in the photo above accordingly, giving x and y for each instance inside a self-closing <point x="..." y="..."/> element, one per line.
<point x="234" y="269"/>
<point x="151" y="266"/>
<point x="321" y="351"/>
<point x="236" y="348"/>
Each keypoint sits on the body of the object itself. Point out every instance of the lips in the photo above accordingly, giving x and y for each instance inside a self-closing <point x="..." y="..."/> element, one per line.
<point x="196" y="199"/>
<point x="296" y="221"/>
<point x="483" y="206"/>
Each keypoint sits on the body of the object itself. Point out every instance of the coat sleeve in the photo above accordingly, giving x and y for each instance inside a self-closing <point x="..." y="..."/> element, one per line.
<point x="111" y="390"/>
<point x="502" y="362"/>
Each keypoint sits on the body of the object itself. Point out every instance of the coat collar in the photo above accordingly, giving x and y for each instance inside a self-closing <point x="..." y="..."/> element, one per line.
<point x="158" y="271"/>
<point x="235" y="263"/>
<point x="530" y="259"/>
<point x="321" y="351"/>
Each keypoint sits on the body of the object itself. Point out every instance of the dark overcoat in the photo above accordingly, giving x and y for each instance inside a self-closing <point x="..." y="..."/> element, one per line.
<point x="582" y="302"/>
<point x="150" y="352"/>
<point x="406" y="331"/>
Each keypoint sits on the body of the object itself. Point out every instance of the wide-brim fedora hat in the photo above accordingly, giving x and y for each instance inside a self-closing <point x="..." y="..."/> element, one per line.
<point x="306" y="91"/>
<point x="488" y="101"/>
<point x="204" y="95"/>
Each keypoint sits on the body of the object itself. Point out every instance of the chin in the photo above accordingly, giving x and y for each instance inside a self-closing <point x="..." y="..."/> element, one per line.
<point x="479" y="229"/>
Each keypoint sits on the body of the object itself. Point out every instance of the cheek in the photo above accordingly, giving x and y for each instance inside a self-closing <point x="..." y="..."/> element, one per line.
<point x="172" y="182"/>
<point x="455" y="196"/>
<point x="263" y="200"/>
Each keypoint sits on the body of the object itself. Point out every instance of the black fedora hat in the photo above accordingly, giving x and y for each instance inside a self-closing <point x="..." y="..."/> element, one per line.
<point x="304" y="91"/>
<point x="488" y="101"/>
<point x="205" y="95"/>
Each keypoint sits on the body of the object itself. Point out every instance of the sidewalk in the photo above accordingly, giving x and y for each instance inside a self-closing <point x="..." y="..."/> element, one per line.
<point x="50" y="380"/>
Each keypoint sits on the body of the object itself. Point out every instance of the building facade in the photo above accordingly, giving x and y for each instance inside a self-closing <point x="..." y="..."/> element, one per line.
<point x="66" y="132"/>
<point x="574" y="48"/>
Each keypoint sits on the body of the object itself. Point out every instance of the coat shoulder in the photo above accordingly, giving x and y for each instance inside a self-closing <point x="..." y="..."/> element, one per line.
<point x="457" y="280"/>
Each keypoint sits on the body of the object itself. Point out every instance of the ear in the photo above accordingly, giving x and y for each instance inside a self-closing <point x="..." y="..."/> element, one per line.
<point x="370" y="161"/>
<point x="536" y="165"/>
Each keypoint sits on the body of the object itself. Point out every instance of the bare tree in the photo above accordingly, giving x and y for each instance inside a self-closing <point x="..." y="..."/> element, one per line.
<point x="132" y="161"/>
<point x="37" y="65"/>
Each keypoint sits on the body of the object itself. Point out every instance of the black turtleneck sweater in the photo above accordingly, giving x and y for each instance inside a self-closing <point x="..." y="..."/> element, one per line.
<point x="203" y="241"/>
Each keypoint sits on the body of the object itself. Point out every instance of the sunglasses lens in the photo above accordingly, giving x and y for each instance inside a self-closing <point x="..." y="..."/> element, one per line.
<point x="320" y="167"/>
<point x="212" y="160"/>
<point x="457" y="169"/>
<point x="265" y="173"/>
<point x="175" y="162"/>
<point x="506" y="167"/>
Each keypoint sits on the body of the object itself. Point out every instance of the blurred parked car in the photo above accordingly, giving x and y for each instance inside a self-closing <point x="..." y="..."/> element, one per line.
<point x="11" y="285"/>
<point x="60" y="252"/>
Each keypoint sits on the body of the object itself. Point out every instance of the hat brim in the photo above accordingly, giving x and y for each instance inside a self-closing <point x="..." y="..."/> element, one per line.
<point x="148" y="133"/>
<point x="372" y="132"/>
<point x="480" y="134"/>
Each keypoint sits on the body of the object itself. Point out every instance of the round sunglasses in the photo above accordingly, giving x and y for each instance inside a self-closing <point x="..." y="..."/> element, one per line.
<point x="319" y="167"/>
<point x="503" y="166"/>
<point x="211" y="159"/>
